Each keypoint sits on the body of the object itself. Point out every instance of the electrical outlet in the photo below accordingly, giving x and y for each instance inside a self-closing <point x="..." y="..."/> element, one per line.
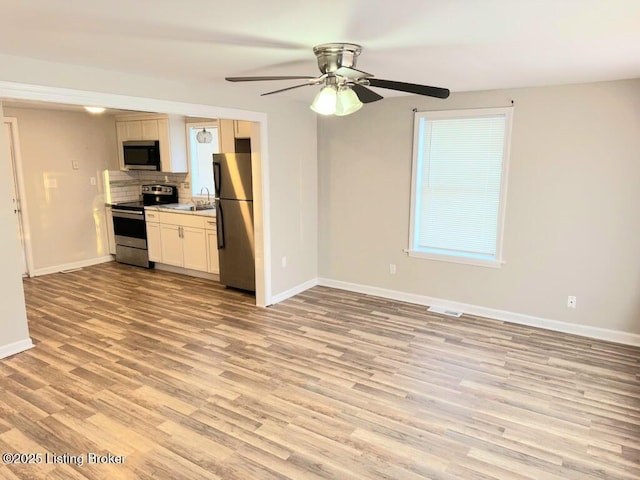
<point x="392" y="268"/>
<point x="284" y="262"/>
<point x="92" y="180"/>
<point x="75" y="164"/>
<point x="571" y="301"/>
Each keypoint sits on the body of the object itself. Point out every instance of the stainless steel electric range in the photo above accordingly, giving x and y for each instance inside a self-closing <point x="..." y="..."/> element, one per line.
<point x="129" y="224"/>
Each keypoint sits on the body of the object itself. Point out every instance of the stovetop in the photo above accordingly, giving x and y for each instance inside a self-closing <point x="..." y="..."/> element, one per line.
<point x="137" y="206"/>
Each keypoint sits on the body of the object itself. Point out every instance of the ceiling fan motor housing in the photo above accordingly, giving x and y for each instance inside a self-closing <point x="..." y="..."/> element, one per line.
<point x="332" y="56"/>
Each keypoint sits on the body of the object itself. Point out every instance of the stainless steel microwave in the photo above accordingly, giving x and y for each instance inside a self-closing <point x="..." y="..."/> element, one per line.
<point x="141" y="155"/>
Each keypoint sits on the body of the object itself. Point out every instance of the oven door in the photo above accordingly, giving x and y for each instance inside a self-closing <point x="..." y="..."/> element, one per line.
<point x="129" y="228"/>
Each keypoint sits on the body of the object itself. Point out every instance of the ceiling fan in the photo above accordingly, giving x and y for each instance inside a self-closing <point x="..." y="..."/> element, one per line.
<point x="345" y="88"/>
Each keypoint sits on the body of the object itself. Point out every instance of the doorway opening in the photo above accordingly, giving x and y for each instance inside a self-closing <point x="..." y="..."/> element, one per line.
<point x="19" y="203"/>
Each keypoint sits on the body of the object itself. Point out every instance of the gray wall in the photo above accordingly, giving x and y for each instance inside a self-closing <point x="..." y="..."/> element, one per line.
<point x="66" y="223"/>
<point x="573" y="204"/>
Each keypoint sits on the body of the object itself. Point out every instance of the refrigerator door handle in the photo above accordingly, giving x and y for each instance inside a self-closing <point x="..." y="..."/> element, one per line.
<point x="220" y="225"/>
<point x="217" y="178"/>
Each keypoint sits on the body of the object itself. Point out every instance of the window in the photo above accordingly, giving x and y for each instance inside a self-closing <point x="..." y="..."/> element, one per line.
<point x="201" y="158"/>
<point x="459" y="183"/>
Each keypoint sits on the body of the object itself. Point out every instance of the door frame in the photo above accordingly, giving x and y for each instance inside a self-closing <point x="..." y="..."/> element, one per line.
<point x="260" y="158"/>
<point x="16" y="167"/>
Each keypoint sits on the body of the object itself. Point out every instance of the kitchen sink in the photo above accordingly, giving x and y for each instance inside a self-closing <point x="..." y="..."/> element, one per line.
<point x="205" y="206"/>
<point x="191" y="208"/>
<point x="180" y="207"/>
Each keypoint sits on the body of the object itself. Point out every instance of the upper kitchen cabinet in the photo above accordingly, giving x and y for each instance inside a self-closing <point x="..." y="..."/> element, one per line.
<point x="242" y="129"/>
<point x="234" y="135"/>
<point x="169" y="130"/>
<point x="137" y="130"/>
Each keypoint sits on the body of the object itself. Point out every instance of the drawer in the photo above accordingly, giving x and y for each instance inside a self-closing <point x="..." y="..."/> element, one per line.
<point x="209" y="223"/>
<point x="183" y="219"/>
<point x="152" y="217"/>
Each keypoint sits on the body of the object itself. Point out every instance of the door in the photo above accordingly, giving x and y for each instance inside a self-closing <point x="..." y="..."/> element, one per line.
<point x="11" y="135"/>
<point x="154" y="244"/>
<point x="234" y="221"/>
<point x="232" y="175"/>
<point x="194" y="248"/>
<point x="129" y="228"/>
<point x="171" y="241"/>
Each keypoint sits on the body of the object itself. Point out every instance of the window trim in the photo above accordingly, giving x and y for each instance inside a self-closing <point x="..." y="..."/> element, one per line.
<point x="199" y="124"/>
<point x="416" y="172"/>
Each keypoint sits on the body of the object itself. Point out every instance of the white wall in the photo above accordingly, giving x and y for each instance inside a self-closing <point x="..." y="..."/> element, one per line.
<point x="66" y="222"/>
<point x="290" y="142"/>
<point x="14" y="335"/>
<point x="573" y="206"/>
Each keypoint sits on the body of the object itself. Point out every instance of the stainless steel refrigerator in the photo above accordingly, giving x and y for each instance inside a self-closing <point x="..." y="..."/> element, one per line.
<point x="234" y="219"/>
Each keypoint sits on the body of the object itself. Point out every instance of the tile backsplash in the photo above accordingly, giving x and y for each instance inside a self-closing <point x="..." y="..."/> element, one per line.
<point x="125" y="186"/>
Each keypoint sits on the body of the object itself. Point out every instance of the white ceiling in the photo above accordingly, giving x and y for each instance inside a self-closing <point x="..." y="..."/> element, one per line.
<point x="462" y="45"/>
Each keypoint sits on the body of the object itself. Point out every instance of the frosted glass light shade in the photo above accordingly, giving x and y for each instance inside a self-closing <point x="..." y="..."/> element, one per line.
<point x="204" y="137"/>
<point x="347" y="102"/>
<point x="325" y="101"/>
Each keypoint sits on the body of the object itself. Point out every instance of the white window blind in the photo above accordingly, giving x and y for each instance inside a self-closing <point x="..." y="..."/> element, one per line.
<point x="459" y="183"/>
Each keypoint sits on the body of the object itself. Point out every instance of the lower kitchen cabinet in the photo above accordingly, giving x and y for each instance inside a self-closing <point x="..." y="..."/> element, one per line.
<point x="194" y="248"/>
<point x="183" y="247"/>
<point x="213" y="265"/>
<point x="154" y="244"/>
<point x="182" y="240"/>
<point x="171" y="245"/>
<point x="110" y="233"/>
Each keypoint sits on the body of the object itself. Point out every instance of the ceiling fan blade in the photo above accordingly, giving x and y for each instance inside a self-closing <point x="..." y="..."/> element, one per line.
<point x="365" y="95"/>
<point x="285" y="89"/>
<point x="410" y="88"/>
<point x="352" y="73"/>
<point x="260" y="79"/>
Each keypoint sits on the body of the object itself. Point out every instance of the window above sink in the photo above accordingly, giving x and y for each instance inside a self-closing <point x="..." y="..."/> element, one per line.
<point x="200" y="156"/>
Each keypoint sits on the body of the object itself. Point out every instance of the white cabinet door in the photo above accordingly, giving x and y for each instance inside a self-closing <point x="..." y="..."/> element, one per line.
<point x="226" y="136"/>
<point x="171" y="245"/>
<point x="242" y="129"/>
<point x="212" y="252"/>
<point x="149" y="130"/>
<point x="194" y="248"/>
<point x="133" y="130"/>
<point x="121" y="136"/>
<point x="154" y="243"/>
<point x="110" y="234"/>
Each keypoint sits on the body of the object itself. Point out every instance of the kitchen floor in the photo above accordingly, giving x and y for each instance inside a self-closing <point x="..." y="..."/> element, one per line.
<point x="161" y="376"/>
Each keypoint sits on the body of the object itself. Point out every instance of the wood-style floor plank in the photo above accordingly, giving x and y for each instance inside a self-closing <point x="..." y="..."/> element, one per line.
<point x="189" y="380"/>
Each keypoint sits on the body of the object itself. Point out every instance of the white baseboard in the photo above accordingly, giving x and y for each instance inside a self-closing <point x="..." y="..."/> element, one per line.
<point x="492" y="313"/>
<point x="293" y="291"/>
<point x="15" y="347"/>
<point x="71" y="266"/>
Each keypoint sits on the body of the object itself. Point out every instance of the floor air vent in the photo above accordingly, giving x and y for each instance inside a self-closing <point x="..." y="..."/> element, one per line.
<point x="444" y="311"/>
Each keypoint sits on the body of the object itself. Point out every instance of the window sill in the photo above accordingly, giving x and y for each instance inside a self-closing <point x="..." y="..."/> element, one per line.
<point x="478" y="262"/>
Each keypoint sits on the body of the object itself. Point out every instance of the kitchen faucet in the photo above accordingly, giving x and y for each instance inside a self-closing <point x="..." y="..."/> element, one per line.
<point x="208" y="193"/>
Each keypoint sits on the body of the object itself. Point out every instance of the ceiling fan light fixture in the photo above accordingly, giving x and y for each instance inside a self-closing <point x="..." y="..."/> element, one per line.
<point x="347" y="102"/>
<point x="203" y="136"/>
<point x="325" y="101"/>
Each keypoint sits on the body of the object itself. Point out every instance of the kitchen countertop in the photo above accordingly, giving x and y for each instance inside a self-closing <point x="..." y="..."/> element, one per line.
<point x="181" y="208"/>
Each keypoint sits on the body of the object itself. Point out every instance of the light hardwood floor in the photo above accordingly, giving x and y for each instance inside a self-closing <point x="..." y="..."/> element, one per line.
<point x="188" y="380"/>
